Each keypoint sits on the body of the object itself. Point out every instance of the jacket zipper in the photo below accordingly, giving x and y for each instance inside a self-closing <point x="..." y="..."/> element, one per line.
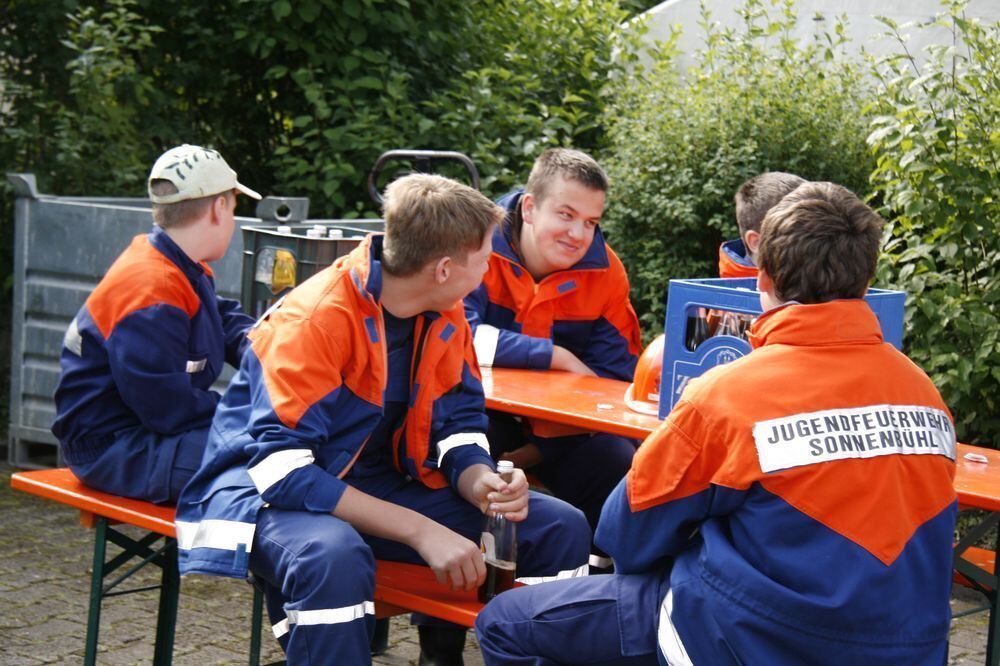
<point x="425" y="327"/>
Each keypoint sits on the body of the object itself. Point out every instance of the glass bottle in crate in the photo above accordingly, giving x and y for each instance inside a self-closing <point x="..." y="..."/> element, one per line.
<point x="697" y="331"/>
<point x="746" y="321"/>
<point x="499" y="546"/>
<point x="730" y="325"/>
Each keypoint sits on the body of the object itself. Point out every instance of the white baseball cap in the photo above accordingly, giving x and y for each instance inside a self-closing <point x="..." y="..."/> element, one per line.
<point x="196" y="172"/>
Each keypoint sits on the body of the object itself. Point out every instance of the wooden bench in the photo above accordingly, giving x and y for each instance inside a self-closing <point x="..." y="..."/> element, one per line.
<point x="597" y="404"/>
<point x="399" y="587"/>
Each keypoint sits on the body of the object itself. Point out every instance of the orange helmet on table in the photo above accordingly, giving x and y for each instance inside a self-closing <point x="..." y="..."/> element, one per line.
<point x="643" y="394"/>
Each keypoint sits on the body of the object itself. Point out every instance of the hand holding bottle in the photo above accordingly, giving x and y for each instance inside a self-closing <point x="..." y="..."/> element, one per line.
<point x="495" y="494"/>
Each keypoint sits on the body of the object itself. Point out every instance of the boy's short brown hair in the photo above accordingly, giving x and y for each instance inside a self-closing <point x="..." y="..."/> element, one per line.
<point x="571" y="164"/>
<point x="759" y="194"/>
<point x="181" y="213"/>
<point x="428" y="217"/>
<point x="820" y="243"/>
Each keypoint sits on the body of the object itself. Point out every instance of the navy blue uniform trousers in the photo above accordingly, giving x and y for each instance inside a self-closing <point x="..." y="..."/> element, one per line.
<point x="579" y="469"/>
<point x="318" y="572"/>
<point x="138" y="463"/>
<point x="597" y="620"/>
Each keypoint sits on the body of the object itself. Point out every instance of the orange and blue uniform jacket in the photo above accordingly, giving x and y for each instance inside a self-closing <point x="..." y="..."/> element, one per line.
<point x="307" y="397"/>
<point x="800" y="502"/>
<point x="585" y="309"/>
<point x="734" y="261"/>
<point x="145" y="349"/>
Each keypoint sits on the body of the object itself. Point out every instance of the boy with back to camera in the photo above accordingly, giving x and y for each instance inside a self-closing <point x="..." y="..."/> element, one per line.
<point x="134" y="399"/>
<point x="785" y="509"/>
<point x="556" y="296"/>
<point x="355" y="430"/>
<point x="753" y="199"/>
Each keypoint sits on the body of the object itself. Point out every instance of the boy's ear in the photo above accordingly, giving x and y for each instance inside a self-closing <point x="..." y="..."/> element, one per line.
<point x="527" y="208"/>
<point x="442" y="270"/>
<point x="764" y="282"/>
<point x="752" y="241"/>
<point x="219" y="205"/>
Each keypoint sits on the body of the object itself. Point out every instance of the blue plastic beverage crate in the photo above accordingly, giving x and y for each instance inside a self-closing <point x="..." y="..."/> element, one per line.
<point x="735" y="295"/>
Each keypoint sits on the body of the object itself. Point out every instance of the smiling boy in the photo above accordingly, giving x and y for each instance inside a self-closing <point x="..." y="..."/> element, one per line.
<point x="557" y="297"/>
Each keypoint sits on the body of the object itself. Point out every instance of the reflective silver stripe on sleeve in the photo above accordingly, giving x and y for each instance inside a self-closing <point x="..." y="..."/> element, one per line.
<point x="581" y="570"/>
<point x="667" y="637"/>
<point x="277" y="466"/>
<point x="219" y="534"/>
<point x="462" y="439"/>
<point x="331" y="615"/>
<point x="196" y="366"/>
<point x="73" y="341"/>
<point x="485" y="342"/>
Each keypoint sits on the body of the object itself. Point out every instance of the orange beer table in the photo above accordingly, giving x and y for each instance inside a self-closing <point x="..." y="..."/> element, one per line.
<point x="564" y="400"/>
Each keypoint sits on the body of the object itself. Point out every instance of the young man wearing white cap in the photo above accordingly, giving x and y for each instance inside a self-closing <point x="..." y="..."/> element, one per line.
<point x="134" y="399"/>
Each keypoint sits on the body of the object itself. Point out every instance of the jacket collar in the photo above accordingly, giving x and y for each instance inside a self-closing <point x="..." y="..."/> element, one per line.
<point x="366" y="269"/>
<point x="365" y="262"/>
<point x="736" y="251"/>
<point x="192" y="270"/>
<point x="595" y="258"/>
<point x="840" y="322"/>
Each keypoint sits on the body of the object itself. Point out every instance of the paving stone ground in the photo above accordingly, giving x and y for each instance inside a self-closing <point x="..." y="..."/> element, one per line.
<point x="45" y="560"/>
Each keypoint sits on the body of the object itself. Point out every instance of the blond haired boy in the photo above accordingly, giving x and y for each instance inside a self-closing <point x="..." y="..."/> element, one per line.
<point x="355" y="430"/>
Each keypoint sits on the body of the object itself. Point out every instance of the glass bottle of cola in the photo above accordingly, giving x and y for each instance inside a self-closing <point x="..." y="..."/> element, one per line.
<point x="499" y="546"/>
<point x="697" y="329"/>
<point x="730" y="325"/>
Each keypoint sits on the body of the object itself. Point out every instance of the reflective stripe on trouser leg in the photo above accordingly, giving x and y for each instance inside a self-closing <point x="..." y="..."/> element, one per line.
<point x="326" y="579"/>
<point x="671" y="645"/>
<point x="553" y="543"/>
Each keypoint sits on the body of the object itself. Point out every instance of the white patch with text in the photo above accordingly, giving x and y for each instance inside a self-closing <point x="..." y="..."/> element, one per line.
<point x="860" y="432"/>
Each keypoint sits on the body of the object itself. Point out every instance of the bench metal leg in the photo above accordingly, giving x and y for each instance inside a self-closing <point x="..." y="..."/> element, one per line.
<point x="993" y="638"/>
<point x="166" y="621"/>
<point x="164" y="557"/>
<point x="96" y="592"/>
<point x="255" y="619"/>
<point x="988" y="583"/>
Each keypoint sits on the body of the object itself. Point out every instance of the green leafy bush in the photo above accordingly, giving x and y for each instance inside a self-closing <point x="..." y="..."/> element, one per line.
<point x="937" y="145"/>
<point x="755" y="100"/>
<point x="539" y="78"/>
<point x="302" y="96"/>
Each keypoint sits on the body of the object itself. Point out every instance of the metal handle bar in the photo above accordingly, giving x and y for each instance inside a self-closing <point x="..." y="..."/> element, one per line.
<point x="422" y="162"/>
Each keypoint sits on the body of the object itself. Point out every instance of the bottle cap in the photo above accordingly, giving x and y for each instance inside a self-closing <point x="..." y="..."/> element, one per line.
<point x="335" y="233"/>
<point x="505" y="467"/>
<point x="284" y="229"/>
<point x="315" y="233"/>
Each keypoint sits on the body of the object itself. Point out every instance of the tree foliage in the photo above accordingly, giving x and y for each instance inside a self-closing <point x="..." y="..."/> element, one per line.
<point x="300" y="96"/>
<point x="755" y="100"/>
<point x="937" y="145"/>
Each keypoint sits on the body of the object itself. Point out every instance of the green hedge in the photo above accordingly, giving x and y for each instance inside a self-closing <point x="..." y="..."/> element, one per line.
<point x="755" y="100"/>
<point x="937" y="143"/>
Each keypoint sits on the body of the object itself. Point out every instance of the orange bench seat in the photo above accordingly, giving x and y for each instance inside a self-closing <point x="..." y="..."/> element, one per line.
<point x="399" y="587"/>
